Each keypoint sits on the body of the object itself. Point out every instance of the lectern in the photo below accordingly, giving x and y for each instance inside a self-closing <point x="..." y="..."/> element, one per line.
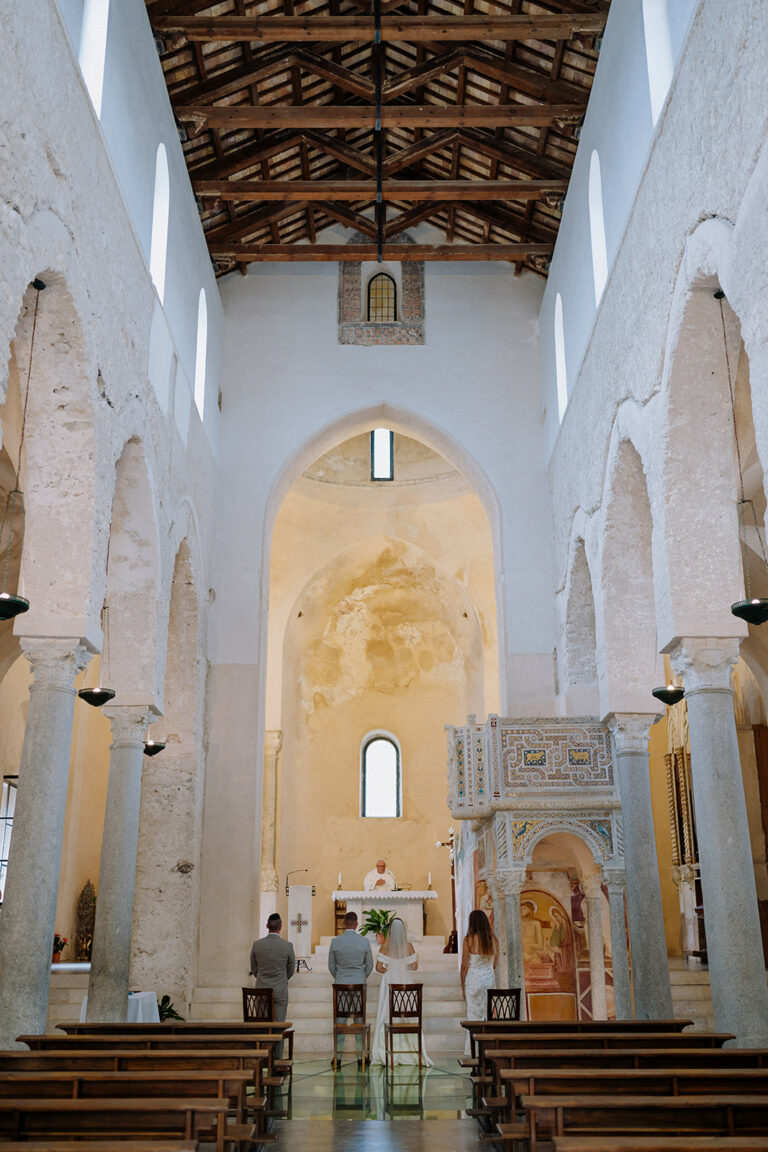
<point x="300" y="922"/>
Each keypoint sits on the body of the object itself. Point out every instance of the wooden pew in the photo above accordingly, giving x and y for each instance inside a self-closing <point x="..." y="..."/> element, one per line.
<point x="603" y="1115"/>
<point x="564" y="1026"/>
<point x="135" y="1059"/>
<point x="661" y="1143"/>
<point x="190" y="1118"/>
<point x="159" y="1144"/>
<point x="186" y="1027"/>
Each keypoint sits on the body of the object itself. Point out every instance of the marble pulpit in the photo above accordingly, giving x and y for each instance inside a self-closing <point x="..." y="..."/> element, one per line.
<point x="409" y="906"/>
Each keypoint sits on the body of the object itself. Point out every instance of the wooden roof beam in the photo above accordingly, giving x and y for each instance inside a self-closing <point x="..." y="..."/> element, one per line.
<point x="360" y="29"/>
<point x="393" y="190"/>
<point x="250" y="253"/>
<point x="233" y="118"/>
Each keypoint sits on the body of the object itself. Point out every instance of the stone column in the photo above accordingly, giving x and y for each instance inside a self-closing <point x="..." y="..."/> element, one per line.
<point x="650" y="965"/>
<point x="511" y="882"/>
<point x="591" y="886"/>
<point x="622" y="994"/>
<point x="111" y="957"/>
<point x="731" y="918"/>
<point x="273" y="742"/>
<point x="29" y="907"/>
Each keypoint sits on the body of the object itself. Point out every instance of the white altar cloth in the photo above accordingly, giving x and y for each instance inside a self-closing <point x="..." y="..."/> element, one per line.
<point x="409" y="906"/>
<point x="142" y="1008"/>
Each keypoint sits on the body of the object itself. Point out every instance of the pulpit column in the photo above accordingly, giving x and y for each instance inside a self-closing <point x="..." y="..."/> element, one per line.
<point x="622" y="994"/>
<point x="731" y="917"/>
<point x="273" y="742"/>
<point x="591" y="886"/>
<point x="511" y="882"/>
<point x="650" y="965"/>
<point x="29" y="905"/>
<point x="111" y="956"/>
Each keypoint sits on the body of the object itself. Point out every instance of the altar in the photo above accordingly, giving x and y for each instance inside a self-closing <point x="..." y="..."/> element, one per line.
<point x="411" y="907"/>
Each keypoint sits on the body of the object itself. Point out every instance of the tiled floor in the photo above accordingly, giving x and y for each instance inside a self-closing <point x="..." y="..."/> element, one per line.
<point x="352" y="1110"/>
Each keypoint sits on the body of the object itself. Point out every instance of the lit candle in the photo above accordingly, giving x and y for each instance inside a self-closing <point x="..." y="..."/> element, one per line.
<point x="339" y="885"/>
<point x="429" y="880"/>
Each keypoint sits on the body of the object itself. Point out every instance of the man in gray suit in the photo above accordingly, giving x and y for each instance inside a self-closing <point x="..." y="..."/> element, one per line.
<point x="273" y="963"/>
<point x="350" y="961"/>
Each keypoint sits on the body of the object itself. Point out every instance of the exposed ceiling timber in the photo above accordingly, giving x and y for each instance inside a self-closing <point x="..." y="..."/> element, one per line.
<point x="480" y="114"/>
<point x="354" y="190"/>
<point x="237" y="117"/>
<point x="402" y="29"/>
<point x="294" y="252"/>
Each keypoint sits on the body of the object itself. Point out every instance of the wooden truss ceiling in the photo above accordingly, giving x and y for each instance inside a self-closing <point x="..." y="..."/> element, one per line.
<point x="297" y="115"/>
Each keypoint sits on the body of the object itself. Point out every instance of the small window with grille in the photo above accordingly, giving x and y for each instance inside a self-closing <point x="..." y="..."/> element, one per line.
<point x="382" y="299"/>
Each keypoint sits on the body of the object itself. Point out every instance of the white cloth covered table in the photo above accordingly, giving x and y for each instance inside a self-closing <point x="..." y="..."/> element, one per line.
<point x="142" y="1008"/>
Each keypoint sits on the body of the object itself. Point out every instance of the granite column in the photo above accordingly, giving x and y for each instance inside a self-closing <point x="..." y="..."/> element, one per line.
<point x="622" y="993"/>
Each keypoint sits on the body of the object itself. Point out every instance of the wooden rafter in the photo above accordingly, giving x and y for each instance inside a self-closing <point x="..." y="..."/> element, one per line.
<point x="301" y="252"/>
<point x="235" y="117"/>
<point x="354" y="190"/>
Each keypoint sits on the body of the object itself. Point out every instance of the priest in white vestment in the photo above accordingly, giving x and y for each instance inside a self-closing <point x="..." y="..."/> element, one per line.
<point x="380" y="879"/>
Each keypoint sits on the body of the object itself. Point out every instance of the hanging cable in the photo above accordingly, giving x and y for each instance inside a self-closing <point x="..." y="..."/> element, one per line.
<point x="377" y="133"/>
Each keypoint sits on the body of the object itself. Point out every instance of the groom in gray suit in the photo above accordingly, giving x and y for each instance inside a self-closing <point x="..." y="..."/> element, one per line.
<point x="273" y="963"/>
<point x="350" y="961"/>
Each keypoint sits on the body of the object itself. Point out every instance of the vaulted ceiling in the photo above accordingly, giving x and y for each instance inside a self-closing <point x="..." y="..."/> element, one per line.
<point x="298" y="115"/>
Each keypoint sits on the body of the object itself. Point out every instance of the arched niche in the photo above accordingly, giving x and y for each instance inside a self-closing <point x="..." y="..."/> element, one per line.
<point x="628" y="660"/>
<point x="133" y="584"/>
<point x="579" y="662"/>
<point x="381" y="638"/>
<point x="166" y="904"/>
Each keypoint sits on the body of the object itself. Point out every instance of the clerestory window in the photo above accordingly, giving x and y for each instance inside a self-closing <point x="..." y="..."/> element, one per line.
<point x="380" y="781"/>
<point x="382" y="299"/>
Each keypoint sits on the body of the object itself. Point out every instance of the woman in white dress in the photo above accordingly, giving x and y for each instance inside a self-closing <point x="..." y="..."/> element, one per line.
<point x="479" y="957"/>
<point x="397" y="961"/>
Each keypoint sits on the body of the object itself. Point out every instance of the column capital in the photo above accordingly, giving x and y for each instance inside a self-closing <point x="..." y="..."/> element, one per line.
<point x="591" y="884"/>
<point x="510" y="881"/>
<point x="55" y="662"/>
<point x="129" y="724"/>
<point x="273" y="742"/>
<point x="268" y="880"/>
<point x="615" y="879"/>
<point x="705" y="663"/>
<point x="630" y="729"/>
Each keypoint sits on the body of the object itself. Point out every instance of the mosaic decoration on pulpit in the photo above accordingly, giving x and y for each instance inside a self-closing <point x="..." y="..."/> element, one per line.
<point x="555" y="755"/>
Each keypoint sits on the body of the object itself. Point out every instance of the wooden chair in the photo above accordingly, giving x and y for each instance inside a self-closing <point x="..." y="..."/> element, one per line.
<point x="503" y="1004"/>
<point x="349" y="1003"/>
<point x="257" y="1005"/>
<point x="405" y="1002"/>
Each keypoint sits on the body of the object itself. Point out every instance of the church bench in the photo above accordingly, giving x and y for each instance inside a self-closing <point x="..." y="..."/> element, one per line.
<point x="681" y="1081"/>
<point x="666" y="1143"/>
<point x="602" y="1115"/>
<point x="187" y="1118"/>
<point x="564" y="1026"/>
<point x="158" y="1144"/>
<point x="140" y="1060"/>
<point x="76" y="1085"/>
<point x="249" y="1029"/>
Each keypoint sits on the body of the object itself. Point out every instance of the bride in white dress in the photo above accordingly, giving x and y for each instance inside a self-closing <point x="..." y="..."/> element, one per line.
<point x="397" y="961"/>
<point x="479" y="957"/>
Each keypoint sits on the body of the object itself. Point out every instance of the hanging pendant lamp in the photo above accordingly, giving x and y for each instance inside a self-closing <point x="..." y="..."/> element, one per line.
<point x="11" y="604"/>
<point x="99" y="696"/>
<point x="753" y="609"/>
<point x="152" y="747"/>
<point x="669" y="694"/>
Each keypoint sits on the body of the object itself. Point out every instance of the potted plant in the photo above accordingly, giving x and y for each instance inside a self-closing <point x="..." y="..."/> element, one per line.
<point x="377" y="920"/>
<point x="59" y="944"/>
<point x="166" y="1010"/>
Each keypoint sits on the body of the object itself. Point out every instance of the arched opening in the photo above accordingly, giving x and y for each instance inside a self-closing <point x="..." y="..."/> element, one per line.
<point x="597" y="227"/>
<point x="381" y="299"/>
<point x="560" y="367"/>
<point x="161" y="207"/>
<point x="93" y="49"/>
<point x="658" y="53"/>
<point x="201" y="352"/>
<point x="166" y="903"/>
<point x="380" y="776"/>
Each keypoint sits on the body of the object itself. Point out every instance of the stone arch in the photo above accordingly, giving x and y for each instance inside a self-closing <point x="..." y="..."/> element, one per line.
<point x="628" y="663"/>
<point x="580" y="639"/>
<point x="133" y="583"/>
<point x="64" y="521"/>
<point x="589" y="840"/>
<point x="695" y="502"/>
<point x="166" y="903"/>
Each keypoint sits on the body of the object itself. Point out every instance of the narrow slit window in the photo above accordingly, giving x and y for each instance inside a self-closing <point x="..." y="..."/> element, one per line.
<point x="382" y="454"/>
<point x="380" y="785"/>
<point x="382" y="299"/>
<point x="7" y="808"/>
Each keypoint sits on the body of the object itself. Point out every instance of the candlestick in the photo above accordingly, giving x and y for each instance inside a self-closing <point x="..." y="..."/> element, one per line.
<point x="429" y="880"/>
<point x="339" y="887"/>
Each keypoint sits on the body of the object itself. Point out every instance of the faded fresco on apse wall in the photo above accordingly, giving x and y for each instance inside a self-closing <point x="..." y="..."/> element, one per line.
<point x="483" y="898"/>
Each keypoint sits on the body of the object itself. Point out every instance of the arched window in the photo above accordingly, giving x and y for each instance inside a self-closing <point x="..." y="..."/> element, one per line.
<point x="201" y="352"/>
<point x="380" y="784"/>
<point x="658" y="53"/>
<point x="562" y="379"/>
<point x="93" y="48"/>
<point x="597" y="227"/>
<point x="160" y="211"/>
<point x="382" y="299"/>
